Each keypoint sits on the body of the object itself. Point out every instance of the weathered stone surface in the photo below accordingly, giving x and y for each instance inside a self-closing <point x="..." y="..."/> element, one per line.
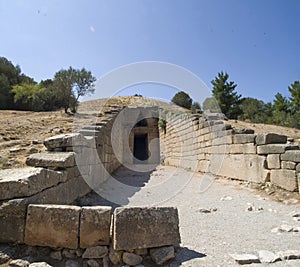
<point x="298" y="178"/>
<point x="250" y="167"/>
<point x="52" y="159"/>
<point x="115" y="256"/>
<point x="95" y="226"/>
<point x="71" y="263"/>
<point x="132" y="259"/>
<point x="56" y="255"/>
<point x="93" y="263"/>
<point x="62" y="226"/>
<point x="244" y="131"/>
<point x="141" y="251"/>
<point x="274" y="149"/>
<point x="298" y="167"/>
<point x="13" y="212"/>
<point x="289" y="254"/>
<point x="243" y="138"/>
<point x="273" y="161"/>
<point x="19" y="263"/>
<point x="65" y="140"/>
<point x="291" y="155"/>
<point x="69" y="253"/>
<point x="40" y="264"/>
<point x="288" y="165"/>
<point x="24" y="182"/>
<point x="245" y="258"/>
<point x="285" y="179"/>
<point x="271" y="138"/>
<point x="97" y="252"/>
<point x="266" y="256"/>
<point x="145" y="227"/>
<point x="162" y="255"/>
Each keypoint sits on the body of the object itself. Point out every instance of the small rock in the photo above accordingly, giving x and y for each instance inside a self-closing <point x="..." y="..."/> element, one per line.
<point x="93" y="263"/>
<point x="3" y="257"/>
<point x="69" y="253"/>
<point x="286" y="228"/>
<point x="289" y="254"/>
<point x="162" y="255"/>
<point x="245" y="258"/>
<point x="296" y="229"/>
<point x="106" y="262"/>
<point x="132" y="258"/>
<point x="260" y="208"/>
<point x="79" y="252"/>
<point x="33" y="149"/>
<point x="204" y="211"/>
<point x="226" y="198"/>
<point x="95" y="252"/>
<point x="250" y="208"/>
<point x="36" y="142"/>
<point x="71" y="263"/>
<point x="19" y="263"/>
<point x="56" y="255"/>
<point x="296" y="215"/>
<point x="115" y="256"/>
<point x="15" y="150"/>
<point x="1" y="159"/>
<point x="141" y="251"/>
<point x="276" y="230"/>
<point x="266" y="256"/>
<point x="39" y="264"/>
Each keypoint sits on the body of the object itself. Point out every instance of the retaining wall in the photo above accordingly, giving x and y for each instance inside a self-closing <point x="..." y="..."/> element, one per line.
<point x="210" y="145"/>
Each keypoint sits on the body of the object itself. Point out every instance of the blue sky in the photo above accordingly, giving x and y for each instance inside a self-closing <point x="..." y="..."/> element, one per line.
<point x="256" y="41"/>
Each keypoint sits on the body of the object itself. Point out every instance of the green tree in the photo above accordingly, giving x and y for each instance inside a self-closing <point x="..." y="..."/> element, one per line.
<point x="225" y="95"/>
<point x="255" y="110"/>
<point x="294" y="89"/>
<point x="182" y="99"/>
<point x="71" y="84"/>
<point x="281" y="107"/>
<point x="211" y="104"/>
<point x="28" y="95"/>
<point x="195" y="107"/>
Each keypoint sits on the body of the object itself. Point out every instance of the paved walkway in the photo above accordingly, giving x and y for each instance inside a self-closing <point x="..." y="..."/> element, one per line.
<point x="207" y="237"/>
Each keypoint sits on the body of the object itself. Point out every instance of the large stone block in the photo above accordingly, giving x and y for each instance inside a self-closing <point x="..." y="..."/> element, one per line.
<point x="65" y="140"/>
<point x="95" y="226"/>
<point x="51" y="159"/>
<point x="293" y="155"/>
<point x="139" y="227"/>
<point x="248" y="167"/>
<point x="23" y="182"/>
<point x="243" y="138"/>
<point x="13" y="212"/>
<point x="285" y="179"/>
<point x="273" y="161"/>
<point x="271" y="138"/>
<point x="52" y="226"/>
<point x="274" y="149"/>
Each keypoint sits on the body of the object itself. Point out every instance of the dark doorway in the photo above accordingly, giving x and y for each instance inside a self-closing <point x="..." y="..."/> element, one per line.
<point x="140" y="147"/>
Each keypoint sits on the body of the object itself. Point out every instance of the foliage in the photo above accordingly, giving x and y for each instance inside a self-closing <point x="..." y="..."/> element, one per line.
<point x="211" y="104"/>
<point x="182" y="99"/>
<point x="225" y="95"/>
<point x="196" y="108"/>
<point x="29" y="96"/>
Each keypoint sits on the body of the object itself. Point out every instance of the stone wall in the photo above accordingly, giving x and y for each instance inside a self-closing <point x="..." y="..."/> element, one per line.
<point x="85" y="232"/>
<point x="210" y="145"/>
<point x="71" y="166"/>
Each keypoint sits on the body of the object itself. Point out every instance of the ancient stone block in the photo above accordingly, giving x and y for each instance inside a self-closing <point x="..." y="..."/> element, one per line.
<point x="243" y="138"/>
<point x="273" y="161"/>
<point x="162" y="255"/>
<point x="139" y="227"/>
<point x="97" y="252"/>
<point x="274" y="149"/>
<point x="285" y="179"/>
<point x="95" y="226"/>
<point x="271" y="138"/>
<point x="13" y="212"/>
<point x="292" y="155"/>
<point x="15" y="183"/>
<point x="52" y="225"/>
<point x="288" y="165"/>
<point x="65" y="140"/>
<point x="51" y="159"/>
<point x="250" y="167"/>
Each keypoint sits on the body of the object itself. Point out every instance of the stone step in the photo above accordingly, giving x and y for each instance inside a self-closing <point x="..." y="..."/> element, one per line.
<point x="26" y="182"/>
<point x="85" y="132"/>
<point x="64" y="140"/>
<point x="52" y="159"/>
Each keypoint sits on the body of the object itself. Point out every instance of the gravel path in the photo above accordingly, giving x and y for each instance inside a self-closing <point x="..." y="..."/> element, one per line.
<point x="214" y="222"/>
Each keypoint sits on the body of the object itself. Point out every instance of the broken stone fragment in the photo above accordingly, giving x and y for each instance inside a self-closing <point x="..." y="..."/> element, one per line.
<point x="19" y="263"/>
<point x="162" y="255"/>
<point x="40" y="264"/>
<point x="97" y="252"/>
<point x="266" y="256"/>
<point x="132" y="258"/>
<point x="245" y="258"/>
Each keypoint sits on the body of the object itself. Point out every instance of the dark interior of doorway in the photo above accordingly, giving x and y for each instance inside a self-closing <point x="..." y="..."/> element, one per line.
<point x="140" y="147"/>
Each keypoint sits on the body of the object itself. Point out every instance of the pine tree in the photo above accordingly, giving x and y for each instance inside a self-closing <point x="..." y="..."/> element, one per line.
<point x="225" y="95"/>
